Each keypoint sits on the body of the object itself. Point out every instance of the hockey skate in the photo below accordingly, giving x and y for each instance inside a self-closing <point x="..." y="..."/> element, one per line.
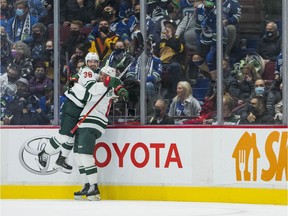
<point x="61" y="164"/>
<point x="80" y="195"/>
<point x="93" y="193"/>
<point x="42" y="158"/>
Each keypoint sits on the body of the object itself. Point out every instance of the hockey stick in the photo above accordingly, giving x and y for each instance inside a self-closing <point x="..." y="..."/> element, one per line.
<point x="67" y="68"/>
<point x="91" y="109"/>
<point x="126" y="69"/>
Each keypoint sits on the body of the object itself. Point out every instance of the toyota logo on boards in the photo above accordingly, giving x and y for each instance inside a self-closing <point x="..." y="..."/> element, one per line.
<point x="28" y="156"/>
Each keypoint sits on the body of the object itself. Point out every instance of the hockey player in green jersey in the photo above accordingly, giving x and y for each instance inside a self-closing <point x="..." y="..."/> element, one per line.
<point x="71" y="112"/>
<point x="92" y="128"/>
<point x="77" y="96"/>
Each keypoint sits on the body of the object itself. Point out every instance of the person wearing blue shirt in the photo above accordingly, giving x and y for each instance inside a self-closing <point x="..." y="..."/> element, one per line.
<point x="133" y="25"/>
<point x="187" y="7"/>
<point x="205" y="57"/>
<point x="37" y="9"/>
<point x="153" y="71"/>
<point x="279" y="67"/>
<point x="231" y="17"/>
<point x="116" y="25"/>
<point x="47" y="105"/>
<point x="19" y="27"/>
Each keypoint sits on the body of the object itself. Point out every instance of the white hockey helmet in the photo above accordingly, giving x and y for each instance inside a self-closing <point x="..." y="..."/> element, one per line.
<point x="83" y="69"/>
<point x="109" y="71"/>
<point x="91" y="56"/>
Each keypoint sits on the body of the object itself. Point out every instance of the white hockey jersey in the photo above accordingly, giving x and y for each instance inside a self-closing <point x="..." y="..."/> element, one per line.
<point x="98" y="117"/>
<point x="78" y="93"/>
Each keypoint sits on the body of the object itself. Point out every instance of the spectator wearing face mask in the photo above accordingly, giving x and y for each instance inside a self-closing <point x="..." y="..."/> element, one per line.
<point x="119" y="58"/>
<point x="160" y="114"/>
<point x="19" y="27"/>
<point x="8" y="79"/>
<point x="49" y="53"/>
<point x="269" y="49"/>
<point x="116" y="25"/>
<point x="104" y="9"/>
<point x="21" y="56"/>
<point x="133" y="27"/>
<point x="37" y="42"/>
<point x="39" y="82"/>
<point x="105" y="40"/>
<point x="256" y="113"/>
<point x="272" y="94"/>
<point x="270" y="45"/>
<point x="76" y="37"/>
<point x="48" y="59"/>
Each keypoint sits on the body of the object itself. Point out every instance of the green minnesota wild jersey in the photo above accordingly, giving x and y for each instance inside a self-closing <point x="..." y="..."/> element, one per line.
<point x="79" y="92"/>
<point x="98" y="117"/>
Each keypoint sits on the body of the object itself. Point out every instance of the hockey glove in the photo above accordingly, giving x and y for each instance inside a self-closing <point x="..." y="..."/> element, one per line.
<point x="121" y="92"/>
<point x="112" y="82"/>
<point x="72" y="81"/>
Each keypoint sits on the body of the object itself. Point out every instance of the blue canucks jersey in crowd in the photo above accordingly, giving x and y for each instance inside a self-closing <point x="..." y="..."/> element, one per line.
<point x="232" y="11"/>
<point x="205" y="26"/>
<point x="186" y="7"/>
<point x="153" y="69"/>
<point x="279" y="65"/>
<point x="118" y="27"/>
<point x="133" y="22"/>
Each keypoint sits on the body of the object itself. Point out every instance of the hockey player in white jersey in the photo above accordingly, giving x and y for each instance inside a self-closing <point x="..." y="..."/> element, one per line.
<point x="93" y="127"/>
<point x="73" y="106"/>
<point x="92" y="61"/>
<point x="76" y="99"/>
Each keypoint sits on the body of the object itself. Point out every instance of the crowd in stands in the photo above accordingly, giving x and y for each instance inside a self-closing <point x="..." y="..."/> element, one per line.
<point x="181" y="59"/>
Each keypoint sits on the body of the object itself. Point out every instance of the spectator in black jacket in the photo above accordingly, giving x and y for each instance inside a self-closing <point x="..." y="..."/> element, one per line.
<point x="269" y="49"/>
<point x="256" y="113"/>
<point x="99" y="9"/>
<point x="160" y="114"/>
<point x="272" y="94"/>
<point x="270" y="45"/>
<point x="75" y="10"/>
<point x="76" y="37"/>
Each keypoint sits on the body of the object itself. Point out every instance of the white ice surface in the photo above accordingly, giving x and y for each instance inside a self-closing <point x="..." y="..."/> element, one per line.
<point x="134" y="208"/>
